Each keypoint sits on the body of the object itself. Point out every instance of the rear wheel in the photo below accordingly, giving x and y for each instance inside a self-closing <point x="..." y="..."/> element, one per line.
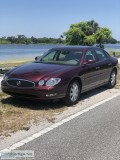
<point x="112" y="80"/>
<point x="73" y="93"/>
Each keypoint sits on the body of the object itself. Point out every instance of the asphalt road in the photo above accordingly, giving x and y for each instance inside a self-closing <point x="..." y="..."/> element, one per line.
<point x="94" y="135"/>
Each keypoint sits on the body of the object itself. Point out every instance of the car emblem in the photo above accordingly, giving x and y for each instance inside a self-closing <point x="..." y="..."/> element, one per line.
<point x="18" y="83"/>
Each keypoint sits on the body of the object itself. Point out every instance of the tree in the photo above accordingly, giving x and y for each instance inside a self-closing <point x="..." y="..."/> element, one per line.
<point x="12" y="39"/>
<point x="34" y="40"/>
<point x="74" y="36"/>
<point x="21" y="39"/>
<point x="111" y="40"/>
<point x="94" y="25"/>
<point x="102" y="34"/>
<point x="86" y="33"/>
<point x="90" y="40"/>
<point x="85" y="27"/>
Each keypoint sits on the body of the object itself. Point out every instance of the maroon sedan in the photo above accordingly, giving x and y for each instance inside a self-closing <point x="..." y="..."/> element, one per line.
<point x="62" y="73"/>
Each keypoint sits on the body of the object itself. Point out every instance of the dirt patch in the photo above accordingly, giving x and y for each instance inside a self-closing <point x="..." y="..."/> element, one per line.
<point x="17" y="114"/>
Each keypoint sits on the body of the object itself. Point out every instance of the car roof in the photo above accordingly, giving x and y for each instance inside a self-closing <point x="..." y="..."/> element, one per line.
<point x="75" y="47"/>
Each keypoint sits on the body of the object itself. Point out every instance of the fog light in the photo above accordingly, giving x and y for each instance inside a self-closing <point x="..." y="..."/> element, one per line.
<point x="51" y="95"/>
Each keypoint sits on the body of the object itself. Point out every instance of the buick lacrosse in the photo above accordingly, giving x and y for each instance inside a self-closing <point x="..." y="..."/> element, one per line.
<point x="62" y="73"/>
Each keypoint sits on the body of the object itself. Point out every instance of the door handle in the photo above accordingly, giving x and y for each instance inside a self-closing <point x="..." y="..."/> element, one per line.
<point x="109" y="64"/>
<point x="97" y="67"/>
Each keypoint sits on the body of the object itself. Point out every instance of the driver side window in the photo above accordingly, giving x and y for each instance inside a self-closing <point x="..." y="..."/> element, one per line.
<point x="49" y="57"/>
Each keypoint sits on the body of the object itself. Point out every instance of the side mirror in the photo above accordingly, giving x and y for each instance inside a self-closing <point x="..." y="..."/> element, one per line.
<point x="37" y="58"/>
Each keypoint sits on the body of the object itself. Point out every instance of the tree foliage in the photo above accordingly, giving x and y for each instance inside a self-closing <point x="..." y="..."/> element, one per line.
<point x="90" y="40"/>
<point x="22" y="39"/>
<point x="102" y="34"/>
<point x="87" y="33"/>
<point x="75" y="36"/>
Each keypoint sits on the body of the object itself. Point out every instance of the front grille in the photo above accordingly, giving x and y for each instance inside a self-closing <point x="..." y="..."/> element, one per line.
<point x="20" y="83"/>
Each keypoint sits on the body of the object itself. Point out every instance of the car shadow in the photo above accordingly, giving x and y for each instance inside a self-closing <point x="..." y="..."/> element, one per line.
<point x="32" y="104"/>
<point x="93" y="92"/>
<point x="40" y="105"/>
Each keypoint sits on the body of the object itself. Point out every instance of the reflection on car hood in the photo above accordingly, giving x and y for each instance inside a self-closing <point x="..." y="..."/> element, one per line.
<point x="37" y="71"/>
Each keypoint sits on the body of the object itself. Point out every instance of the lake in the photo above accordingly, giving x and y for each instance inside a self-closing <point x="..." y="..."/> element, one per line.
<point x="15" y="52"/>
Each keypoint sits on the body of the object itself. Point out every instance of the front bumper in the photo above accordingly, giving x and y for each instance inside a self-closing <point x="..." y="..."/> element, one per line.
<point x="38" y="93"/>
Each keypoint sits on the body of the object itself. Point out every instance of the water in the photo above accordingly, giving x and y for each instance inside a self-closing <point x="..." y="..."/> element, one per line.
<point x="14" y="52"/>
<point x="112" y="47"/>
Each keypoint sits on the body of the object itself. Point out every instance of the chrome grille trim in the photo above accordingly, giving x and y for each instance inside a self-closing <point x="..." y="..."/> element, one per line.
<point x="23" y="80"/>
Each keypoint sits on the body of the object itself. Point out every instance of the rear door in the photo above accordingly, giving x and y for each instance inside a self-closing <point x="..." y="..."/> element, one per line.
<point x="90" y="71"/>
<point x="105" y="65"/>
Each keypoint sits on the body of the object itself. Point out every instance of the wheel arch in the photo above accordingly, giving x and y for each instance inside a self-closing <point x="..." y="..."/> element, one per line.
<point x="78" y="79"/>
<point x="114" y="69"/>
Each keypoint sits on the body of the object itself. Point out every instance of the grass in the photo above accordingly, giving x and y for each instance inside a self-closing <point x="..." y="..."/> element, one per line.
<point x="4" y="41"/>
<point x="116" y="53"/>
<point x="13" y="63"/>
<point x="18" y="115"/>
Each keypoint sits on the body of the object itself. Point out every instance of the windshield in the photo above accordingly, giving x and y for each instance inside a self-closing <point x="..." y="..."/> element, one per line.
<point x="62" y="57"/>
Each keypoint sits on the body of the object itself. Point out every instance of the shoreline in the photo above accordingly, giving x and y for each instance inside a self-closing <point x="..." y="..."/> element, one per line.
<point x="14" y="63"/>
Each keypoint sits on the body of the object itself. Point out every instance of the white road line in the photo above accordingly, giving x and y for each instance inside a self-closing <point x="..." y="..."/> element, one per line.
<point x="44" y="131"/>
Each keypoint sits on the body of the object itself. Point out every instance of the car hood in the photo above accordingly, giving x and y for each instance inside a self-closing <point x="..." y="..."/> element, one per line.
<point x="37" y="71"/>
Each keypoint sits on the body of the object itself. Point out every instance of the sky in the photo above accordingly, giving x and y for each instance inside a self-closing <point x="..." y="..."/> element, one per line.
<point x="51" y="18"/>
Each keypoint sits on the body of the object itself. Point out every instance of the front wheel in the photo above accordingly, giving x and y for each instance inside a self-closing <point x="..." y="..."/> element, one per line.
<point x="73" y="93"/>
<point x="112" y="80"/>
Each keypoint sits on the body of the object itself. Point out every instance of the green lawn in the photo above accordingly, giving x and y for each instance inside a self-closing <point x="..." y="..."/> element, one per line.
<point x="116" y="53"/>
<point x="3" y="41"/>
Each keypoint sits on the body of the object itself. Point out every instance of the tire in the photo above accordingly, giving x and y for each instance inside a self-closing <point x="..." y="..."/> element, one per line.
<point x="112" y="79"/>
<point x="73" y="93"/>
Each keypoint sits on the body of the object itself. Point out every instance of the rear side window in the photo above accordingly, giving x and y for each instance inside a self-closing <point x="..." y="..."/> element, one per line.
<point x="90" y="55"/>
<point x="101" y="55"/>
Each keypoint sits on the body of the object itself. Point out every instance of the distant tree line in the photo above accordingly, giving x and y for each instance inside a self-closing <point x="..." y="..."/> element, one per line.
<point x="82" y="33"/>
<point x="22" y="39"/>
<point x="88" y="33"/>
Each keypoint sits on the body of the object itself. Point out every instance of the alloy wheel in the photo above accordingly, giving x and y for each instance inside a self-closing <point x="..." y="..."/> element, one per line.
<point x="74" y="92"/>
<point x="113" y="78"/>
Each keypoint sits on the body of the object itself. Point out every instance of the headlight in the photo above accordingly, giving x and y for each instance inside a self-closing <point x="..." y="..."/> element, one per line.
<point x="41" y="82"/>
<point x="50" y="82"/>
<point x="53" y="81"/>
<point x="5" y="77"/>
